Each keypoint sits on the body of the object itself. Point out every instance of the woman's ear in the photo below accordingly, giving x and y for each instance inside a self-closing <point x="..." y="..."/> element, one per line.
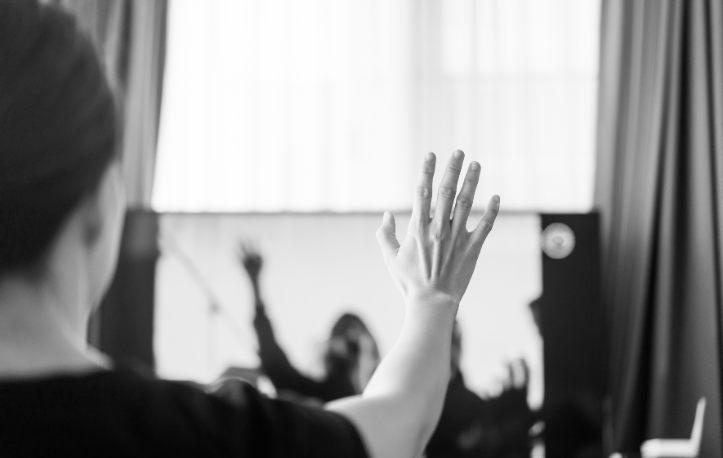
<point x="92" y="221"/>
<point x="103" y="215"/>
<point x="95" y="209"/>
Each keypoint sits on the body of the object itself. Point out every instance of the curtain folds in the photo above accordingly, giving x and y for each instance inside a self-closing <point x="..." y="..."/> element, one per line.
<point x="130" y="37"/>
<point x="658" y="186"/>
<point x="146" y="43"/>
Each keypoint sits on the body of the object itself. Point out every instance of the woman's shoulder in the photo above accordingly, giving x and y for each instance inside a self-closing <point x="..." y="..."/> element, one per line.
<point x="136" y="411"/>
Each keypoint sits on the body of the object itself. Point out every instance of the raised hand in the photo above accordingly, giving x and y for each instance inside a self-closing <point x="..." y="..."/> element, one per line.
<point x="250" y="259"/>
<point x="401" y="404"/>
<point x="438" y="256"/>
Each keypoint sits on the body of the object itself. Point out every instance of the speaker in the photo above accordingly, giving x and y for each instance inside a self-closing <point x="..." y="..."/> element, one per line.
<point x="123" y="325"/>
<point x="570" y="318"/>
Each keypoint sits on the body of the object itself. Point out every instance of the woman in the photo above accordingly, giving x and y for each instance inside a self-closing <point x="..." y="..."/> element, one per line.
<point x="351" y="354"/>
<point x="61" y="209"/>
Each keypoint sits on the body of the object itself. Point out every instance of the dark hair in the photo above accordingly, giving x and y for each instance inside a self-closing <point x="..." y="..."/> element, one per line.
<point x="343" y="364"/>
<point x="57" y="126"/>
<point x="345" y="323"/>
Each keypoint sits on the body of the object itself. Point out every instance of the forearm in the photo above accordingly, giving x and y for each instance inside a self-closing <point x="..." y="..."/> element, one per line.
<point x="258" y="302"/>
<point x="273" y="359"/>
<point x="399" y="410"/>
<point x="401" y="405"/>
<point x="420" y="357"/>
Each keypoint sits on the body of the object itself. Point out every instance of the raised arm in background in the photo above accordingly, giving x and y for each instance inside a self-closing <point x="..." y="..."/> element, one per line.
<point x="400" y="406"/>
<point x="274" y="362"/>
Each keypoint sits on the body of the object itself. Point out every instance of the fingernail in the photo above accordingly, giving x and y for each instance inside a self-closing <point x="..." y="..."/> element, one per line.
<point x="429" y="157"/>
<point x="458" y="154"/>
<point x="474" y="166"/>
<point x="497" y="199"/>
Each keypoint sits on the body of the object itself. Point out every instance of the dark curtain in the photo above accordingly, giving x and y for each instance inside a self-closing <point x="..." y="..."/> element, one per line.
<point x="123" y="326"/>
<point x="658" y="188"/>
<point x="130" y="37"/>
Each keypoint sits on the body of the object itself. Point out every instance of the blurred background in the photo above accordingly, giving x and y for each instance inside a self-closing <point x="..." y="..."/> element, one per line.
<point x="292" y="125"/>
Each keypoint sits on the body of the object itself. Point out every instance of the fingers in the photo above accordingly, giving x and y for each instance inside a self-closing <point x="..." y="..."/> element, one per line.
<point x="448" y="189"/>
<point x="245" y="246"/>
<point x="386" y="235"/>
<point x="465" y="198"/>
<point x="525" y="371"/>
<point x="241" y="251"/>
<point x="423" y="193"/>
<point x="480" y="233"/>
<point x="248" y="248"/>
<point x="507" y="382"/>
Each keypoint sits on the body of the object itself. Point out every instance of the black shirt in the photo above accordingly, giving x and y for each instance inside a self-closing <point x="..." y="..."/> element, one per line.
<point x="284" y="376"/>
<point x="474" y="427"/>
<point x="123" y="413"/>
<point x="464" y="428"/>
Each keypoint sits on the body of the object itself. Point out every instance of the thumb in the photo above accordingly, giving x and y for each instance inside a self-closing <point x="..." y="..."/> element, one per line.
<point x="386" y="236"/>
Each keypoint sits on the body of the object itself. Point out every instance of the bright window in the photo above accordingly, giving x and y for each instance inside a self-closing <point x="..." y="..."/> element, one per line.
<point x="287" y="105"/>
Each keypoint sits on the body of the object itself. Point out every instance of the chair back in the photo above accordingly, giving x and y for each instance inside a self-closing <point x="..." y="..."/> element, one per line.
<point x="697" y="432"/>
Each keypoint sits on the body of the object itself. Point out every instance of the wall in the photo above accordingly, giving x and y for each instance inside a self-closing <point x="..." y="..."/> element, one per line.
<point x="316" y="267"/>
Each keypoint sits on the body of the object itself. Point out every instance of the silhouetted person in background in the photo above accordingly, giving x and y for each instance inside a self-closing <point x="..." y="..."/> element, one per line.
<point x="511" y="414"/>
<point x="350" y="358"/>
<point x="465" y="428"/>
<point x="471" y="426"/>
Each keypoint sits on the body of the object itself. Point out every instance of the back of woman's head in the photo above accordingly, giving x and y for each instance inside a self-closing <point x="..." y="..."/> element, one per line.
<point x="57" y="127"/>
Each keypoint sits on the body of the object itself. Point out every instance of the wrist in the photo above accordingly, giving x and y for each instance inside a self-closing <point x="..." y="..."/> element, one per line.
<point x="433" y="299"/>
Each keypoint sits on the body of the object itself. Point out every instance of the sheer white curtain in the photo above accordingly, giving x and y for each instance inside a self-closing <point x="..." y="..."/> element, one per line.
<point x="275" y="105"/>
